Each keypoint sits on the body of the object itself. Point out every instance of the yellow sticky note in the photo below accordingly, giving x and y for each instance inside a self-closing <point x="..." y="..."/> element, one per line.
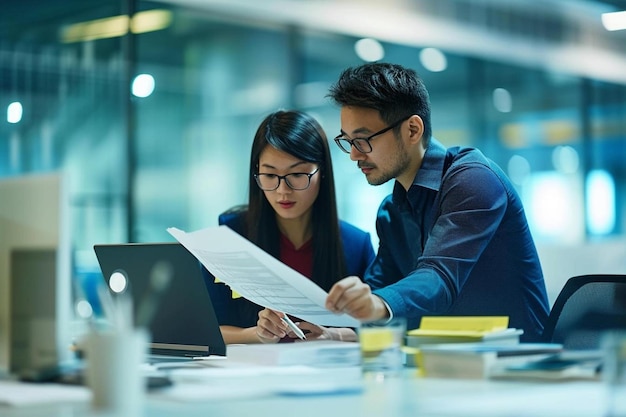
<point x="465" y="325"/>
<point x="234" y="294"/>
<point x="376" y="339"/>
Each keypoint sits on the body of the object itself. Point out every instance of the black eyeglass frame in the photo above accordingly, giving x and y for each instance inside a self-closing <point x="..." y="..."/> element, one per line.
<point x="286" y="179"/>
<point x="357" y="142"/>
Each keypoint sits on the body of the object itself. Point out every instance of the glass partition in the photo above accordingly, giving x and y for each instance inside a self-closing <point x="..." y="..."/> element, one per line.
<point x="154" y="125"/>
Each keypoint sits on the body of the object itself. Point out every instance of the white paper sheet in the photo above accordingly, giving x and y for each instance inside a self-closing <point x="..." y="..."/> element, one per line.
<point x="250" y="381"/>
<point x="258" y="276"/>
<point x="18" y="394"/>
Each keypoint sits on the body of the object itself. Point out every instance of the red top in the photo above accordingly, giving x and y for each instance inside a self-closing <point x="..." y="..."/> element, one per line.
<point x="299" y="259"/>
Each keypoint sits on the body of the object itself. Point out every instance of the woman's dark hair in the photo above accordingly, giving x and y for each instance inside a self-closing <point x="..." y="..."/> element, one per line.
<point x="395" y="91"/>
<point x="301" y="136"/>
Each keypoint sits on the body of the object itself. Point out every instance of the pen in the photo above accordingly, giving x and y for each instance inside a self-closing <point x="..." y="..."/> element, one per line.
<point x="293" y="327"/>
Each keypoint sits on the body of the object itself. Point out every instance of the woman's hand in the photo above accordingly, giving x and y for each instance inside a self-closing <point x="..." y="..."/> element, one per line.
<point x="312" y="331"/>
<point x="270" y="327"/>
<point x="315" y="332"/>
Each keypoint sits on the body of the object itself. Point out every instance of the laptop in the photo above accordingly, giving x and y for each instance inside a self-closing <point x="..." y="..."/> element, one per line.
<point x="184" y="325"/>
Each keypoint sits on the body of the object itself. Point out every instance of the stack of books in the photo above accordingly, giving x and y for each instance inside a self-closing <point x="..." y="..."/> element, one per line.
<point x="478" y="360"/>
<point x="464" y="346"/>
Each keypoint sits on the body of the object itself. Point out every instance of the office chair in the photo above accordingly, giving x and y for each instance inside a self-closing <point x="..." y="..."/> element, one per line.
<point x="231" y="213"/>
<point x="586" y="308"/>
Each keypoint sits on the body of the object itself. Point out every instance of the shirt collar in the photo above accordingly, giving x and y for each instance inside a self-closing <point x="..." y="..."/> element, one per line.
<point x="431" y="171"/>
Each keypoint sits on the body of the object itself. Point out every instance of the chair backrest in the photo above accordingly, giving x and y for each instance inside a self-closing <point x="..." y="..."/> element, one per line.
<point x="587" y="307"/>
<point x="231" y="213"/>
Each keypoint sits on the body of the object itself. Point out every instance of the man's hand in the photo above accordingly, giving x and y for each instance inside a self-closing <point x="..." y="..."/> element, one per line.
<point x="354" y="297"/>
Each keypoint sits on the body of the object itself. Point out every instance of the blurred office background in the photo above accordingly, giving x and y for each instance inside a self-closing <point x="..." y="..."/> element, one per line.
<point x="153" y="124"/>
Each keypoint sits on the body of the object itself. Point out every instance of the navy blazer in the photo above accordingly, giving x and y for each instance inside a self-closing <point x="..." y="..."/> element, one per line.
<point x="239" y="312"/>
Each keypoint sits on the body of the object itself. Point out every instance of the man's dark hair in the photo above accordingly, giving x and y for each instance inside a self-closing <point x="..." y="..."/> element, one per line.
<point x="393" y="90"/>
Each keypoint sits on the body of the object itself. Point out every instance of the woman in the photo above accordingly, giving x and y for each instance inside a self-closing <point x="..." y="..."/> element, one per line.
<point x="292" y="215"/>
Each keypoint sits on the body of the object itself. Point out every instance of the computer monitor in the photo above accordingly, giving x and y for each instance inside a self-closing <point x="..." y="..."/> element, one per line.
<point x="35" y="302"/>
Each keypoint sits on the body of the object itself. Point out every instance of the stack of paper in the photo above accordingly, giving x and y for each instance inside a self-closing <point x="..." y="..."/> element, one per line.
<point x="471" y="329"/>
<point x="225" y="380"/>
<point x="320" y="354"/>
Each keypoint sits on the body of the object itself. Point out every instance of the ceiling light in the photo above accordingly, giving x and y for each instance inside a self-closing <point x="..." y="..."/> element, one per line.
<point x="116" y="26"/>
<point x="614" y="21"/>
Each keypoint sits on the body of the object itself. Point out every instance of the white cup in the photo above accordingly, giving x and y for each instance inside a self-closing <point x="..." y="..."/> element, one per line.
<point x="614" y="373"/>
<point x="113" y="370"/>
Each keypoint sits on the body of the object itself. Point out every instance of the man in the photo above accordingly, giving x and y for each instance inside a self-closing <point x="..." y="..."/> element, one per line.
<point x="454" y="239"/>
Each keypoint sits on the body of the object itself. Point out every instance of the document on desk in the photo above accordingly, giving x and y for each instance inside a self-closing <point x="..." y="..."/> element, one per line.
<point x="258" y="276"/>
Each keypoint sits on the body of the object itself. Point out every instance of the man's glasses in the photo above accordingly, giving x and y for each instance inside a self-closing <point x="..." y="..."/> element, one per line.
<point x="363" y="145"/>
<point x="296" y="181"/>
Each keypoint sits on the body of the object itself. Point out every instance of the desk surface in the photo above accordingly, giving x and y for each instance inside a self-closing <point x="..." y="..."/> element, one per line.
<point x="404" y="396"/>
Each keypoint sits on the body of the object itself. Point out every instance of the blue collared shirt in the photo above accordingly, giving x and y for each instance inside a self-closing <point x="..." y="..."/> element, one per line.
<point x="458" y="243"/>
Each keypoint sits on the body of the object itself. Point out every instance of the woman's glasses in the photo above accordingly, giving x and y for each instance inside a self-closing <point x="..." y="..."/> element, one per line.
<point x="296" y="180"/>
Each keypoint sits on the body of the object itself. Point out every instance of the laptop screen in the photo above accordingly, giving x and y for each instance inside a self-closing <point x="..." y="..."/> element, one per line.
<point x="184" y="323"/>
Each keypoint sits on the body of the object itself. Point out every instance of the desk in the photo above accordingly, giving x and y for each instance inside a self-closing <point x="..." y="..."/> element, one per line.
<point x="406" y="396"/>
